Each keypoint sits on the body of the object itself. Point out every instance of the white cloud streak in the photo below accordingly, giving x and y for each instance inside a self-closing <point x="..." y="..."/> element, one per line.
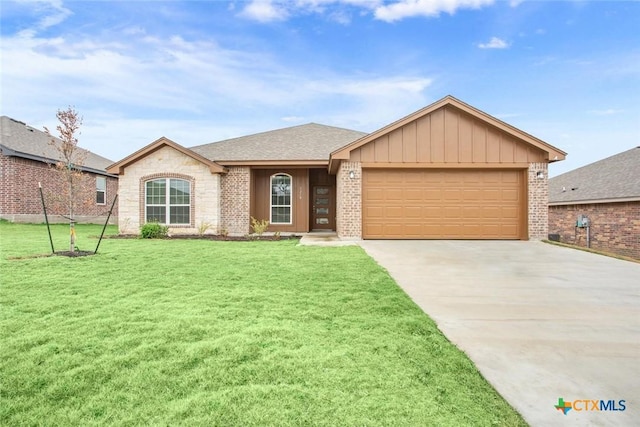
<point x="494" y="43"/>
<point x="428" y="8"/>
<point x="274" y="10"/>
<point x="142" y="86"/>
<point x="264" y="11"/>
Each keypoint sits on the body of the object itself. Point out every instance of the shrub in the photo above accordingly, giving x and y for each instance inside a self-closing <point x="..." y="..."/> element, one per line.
<point x="203" y="227"/>
<point x="259" y="226"/>
<point x="153" y="230"/>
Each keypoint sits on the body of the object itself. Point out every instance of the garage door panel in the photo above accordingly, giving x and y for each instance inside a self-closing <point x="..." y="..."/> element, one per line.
<point x="432" y="212"/>
<point x="374" y="212"/>
<point x="432" y="194"/>
<point x="472" y="194"/>
<point x="510" y="195"/>
<point x="509" y="229"/>
<point x="491" y="212"/>
<point x="393" y="229"/>
<point x="491" y="195"/>
<point x="374" y="194"/>
<point x="443" y="204"/>
<point x="452" y="212"/>
<point x="413" y="212"/>
<point x="413" y="229"/>
<point x="472" y="212"/>
<point x="509" y="212"/>
<point x="393" y="212"/>
<point x="452" y="193"/>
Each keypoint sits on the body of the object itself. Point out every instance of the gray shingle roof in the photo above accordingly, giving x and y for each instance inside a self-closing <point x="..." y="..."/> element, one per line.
<point x="616" y="177"/>
<point x="305" y="142"/>
<point x="21" y="140"/>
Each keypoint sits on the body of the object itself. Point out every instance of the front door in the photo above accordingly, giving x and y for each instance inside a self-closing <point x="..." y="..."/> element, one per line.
<point x="323" y="208"/>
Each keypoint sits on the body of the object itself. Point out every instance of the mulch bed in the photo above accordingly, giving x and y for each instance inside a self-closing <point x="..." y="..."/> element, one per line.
<point x="215" y="237"/>
<point x="74" y="254"/>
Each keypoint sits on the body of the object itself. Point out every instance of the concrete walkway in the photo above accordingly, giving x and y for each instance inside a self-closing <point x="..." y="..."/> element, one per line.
<point x="324" y="239"/>
<point x="541" y="322"/>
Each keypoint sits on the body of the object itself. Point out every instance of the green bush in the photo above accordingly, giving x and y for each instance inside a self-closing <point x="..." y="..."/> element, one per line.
<point x="259" y="226"/>
<point x="153" y="230"/>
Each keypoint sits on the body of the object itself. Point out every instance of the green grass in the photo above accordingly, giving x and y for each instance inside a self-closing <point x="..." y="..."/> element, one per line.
<point x="179" y="332"/>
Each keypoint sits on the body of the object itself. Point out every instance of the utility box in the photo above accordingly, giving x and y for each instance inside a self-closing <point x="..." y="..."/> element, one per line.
<point x="582" y="221"/>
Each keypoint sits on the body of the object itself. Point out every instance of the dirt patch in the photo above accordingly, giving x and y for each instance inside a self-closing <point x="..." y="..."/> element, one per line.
<point x="74" y="254"/>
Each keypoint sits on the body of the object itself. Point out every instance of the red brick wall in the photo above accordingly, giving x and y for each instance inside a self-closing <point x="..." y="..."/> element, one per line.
<point x="235" y="201"/>
<point x="20" y="197"/>
<point x="615" y="227"/>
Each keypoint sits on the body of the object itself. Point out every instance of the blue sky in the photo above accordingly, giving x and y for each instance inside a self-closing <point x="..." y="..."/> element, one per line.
<point x="567" y="72"/>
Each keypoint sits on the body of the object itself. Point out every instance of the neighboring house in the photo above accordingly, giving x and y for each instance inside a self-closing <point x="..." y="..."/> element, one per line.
<point x="27" y="158"/>
<point x="607" y="193"/>
<point x="448" y="171"/>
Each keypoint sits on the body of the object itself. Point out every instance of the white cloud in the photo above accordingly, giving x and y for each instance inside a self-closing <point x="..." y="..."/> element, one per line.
<point x="195" y="90"/>
<point x="264" y="11"/>
<point x="53" y="13"/>
<point x="277" y="10"/>
<point x="431" y="8"/>
<point x="494" y="43"/>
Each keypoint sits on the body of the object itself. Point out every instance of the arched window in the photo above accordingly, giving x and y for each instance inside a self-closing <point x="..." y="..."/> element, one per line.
<point x="281" y="199"/>
<point x="168" y="201"/>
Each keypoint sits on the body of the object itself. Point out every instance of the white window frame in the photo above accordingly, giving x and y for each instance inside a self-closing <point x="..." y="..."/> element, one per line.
<point x="167" y="201"/>
<point x="290" y="205"/>
<point x="98" y="190"/>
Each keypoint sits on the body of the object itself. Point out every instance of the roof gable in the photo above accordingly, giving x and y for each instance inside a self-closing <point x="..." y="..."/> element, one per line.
<point x="616" y="178"/>
<point x="119" y="167"/>
<point x="515" y="136"/>
<point x="20" y="140"/>
<point x="309" y="142"/>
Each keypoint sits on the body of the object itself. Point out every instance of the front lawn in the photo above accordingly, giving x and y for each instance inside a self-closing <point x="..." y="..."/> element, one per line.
<point x="195" y="332"/>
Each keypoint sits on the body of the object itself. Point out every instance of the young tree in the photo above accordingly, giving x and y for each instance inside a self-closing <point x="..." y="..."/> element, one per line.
<point x="69" y="165"/>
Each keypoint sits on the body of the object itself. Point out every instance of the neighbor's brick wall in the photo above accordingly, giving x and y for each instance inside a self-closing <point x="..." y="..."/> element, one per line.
<point x="235" y="201"/>
<point x="538" y="195"/>
<point x="20" y="197"/>
<point x="349" y="201"/>
<point x="615" y="227"/>
<point x="164" y="163"/>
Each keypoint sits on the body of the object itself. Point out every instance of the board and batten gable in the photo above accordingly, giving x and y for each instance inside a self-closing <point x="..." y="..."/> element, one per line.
<point x="440" y="150"/>
<point x="447" y="136"/>
<point x="168" y="162"/>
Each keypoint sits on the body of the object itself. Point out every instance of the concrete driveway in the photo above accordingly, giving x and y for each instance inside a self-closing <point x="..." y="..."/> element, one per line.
<point x="541" y="322"/>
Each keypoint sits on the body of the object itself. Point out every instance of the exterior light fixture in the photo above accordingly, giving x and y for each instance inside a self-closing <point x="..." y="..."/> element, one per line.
<point x="352" y="174"/>
<point x="539" y="174"/>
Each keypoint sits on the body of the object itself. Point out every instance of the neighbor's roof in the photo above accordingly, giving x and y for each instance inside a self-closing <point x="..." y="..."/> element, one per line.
<point x="20" y="140"/>
<point x="305" y="142"/>
<point x="616" y="178"/>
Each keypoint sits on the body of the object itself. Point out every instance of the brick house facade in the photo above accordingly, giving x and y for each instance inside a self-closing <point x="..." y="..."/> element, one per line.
<point x="235" y="201"/>
<point x="614" y="227"/>
<point x="166" y="162"/>
<point x="607" y="193"/>
<point x="538" y="199"/>
<point x="23" y="165"/>
<point x="315" y="177"/>
<point x="349" y="207"/>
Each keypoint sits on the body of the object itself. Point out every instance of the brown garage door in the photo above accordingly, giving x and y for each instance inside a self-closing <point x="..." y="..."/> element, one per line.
<point x="443" y="204"/>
